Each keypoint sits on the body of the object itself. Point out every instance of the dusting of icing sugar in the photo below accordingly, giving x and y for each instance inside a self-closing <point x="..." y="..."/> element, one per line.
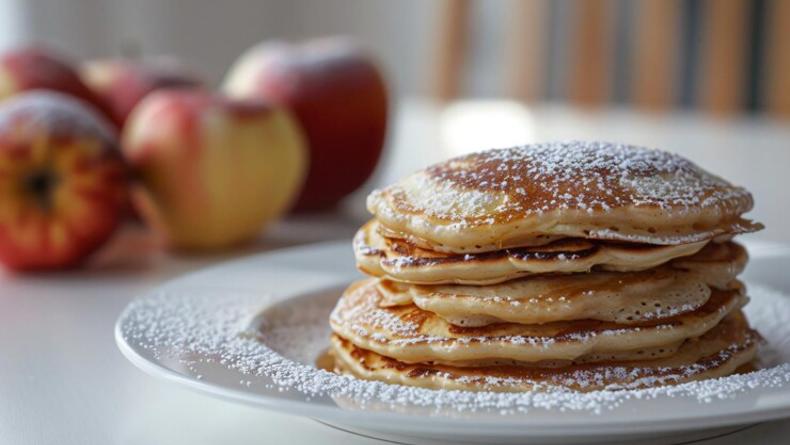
<point x="214" y="327"/>
<point x="505" y="184"/>
<point x="362" y="314"/>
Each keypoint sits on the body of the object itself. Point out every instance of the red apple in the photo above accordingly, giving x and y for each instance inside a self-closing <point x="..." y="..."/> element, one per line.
<point x="338" y="95"/>
<point x="63" y="183"/>
<point x="34" y="68"/>
<point x="123" y="83"/>
<point x="213" y="171"/>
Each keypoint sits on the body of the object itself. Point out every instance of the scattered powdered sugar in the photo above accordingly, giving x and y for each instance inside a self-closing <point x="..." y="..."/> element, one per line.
<point x="365" y="313"/>
<point x="590" y="176"/>
<point x="277" y="348"/>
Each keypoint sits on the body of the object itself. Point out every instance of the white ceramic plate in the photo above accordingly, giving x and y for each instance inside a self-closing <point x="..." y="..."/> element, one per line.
<point x="250" y="330"/>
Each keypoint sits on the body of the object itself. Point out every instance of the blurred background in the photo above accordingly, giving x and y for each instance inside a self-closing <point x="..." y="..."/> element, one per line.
<point x="721" y="56"/>
<point x="435" y="78"/>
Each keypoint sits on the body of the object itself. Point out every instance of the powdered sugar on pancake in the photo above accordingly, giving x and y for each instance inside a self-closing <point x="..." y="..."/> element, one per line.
<point x="529" y="195"/>
<point x="411" y="335"/>
<point x="589" y="176"/>
<point x="366" y="319"/>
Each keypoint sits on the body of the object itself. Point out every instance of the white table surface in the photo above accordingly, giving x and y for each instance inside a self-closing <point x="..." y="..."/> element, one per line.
<point x="62" y="380"/>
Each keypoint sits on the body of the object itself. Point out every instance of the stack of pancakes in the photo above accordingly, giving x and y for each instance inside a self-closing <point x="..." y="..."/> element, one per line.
<point x="582" y="265"/>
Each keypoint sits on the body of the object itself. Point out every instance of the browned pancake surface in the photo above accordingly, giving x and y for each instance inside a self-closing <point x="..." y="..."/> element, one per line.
<point x="534" y="194"/>
<point x="721" y="351"/>
<point x="411" y="334"/>
<point x="402" y="261"/>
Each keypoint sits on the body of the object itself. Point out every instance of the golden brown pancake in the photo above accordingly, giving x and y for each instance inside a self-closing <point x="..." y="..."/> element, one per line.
<point x="410" y="334"/>
<point x="535" y="194"/>
<point x="597" y="357"/>
<point x="717" y="263"/>
<point x="680" y="286"/>
<point x="400" y="261"/>
<point x="635" y="298"/>
<point x="719" y="352"/>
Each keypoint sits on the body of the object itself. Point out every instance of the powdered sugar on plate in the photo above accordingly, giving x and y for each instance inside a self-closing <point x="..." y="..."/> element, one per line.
<point x="274" y="342"/>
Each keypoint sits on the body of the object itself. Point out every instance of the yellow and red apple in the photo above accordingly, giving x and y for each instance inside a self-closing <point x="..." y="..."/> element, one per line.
<point x="63" y="183"/>
<point x="122" y="83"/>
<point x="213" y="171"/>
<point x="36" y="68"/>
<point x="340" y="99"/>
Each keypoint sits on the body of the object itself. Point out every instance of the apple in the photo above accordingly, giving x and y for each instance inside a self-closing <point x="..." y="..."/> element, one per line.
<point x="213" y="171"/>
<point x="35" y="68"/>
<point x="122" y="83"/>
<point x="339" y="97"/>
<point x="63" y="182"/>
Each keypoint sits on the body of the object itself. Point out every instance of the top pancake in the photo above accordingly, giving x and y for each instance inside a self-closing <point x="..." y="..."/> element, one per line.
<point x="534" y="194"/>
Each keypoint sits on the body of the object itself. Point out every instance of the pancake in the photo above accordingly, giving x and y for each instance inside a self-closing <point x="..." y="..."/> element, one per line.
<point x="410" y="334"/>
<point x="717" y="263"/>
<point x="401" y="261"/>
<point x="625" y="298"/>
<point x="636" y="298"/>
<point x="535" y="194"/>
<point x="634" y="354"/>
<point x="719" y="352"/>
